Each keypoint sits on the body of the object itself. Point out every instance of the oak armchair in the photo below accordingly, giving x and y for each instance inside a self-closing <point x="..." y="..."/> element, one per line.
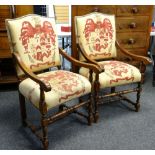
<point x="96" y="43"/>
<point x="34" y="44"/>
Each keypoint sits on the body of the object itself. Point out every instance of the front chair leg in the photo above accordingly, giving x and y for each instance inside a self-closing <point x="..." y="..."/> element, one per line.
<point x="96" y="100"/>
<point x="137" y="105"/>
<point x="22" y="109"/>
<point x="90" y="113"/>
<point x="44" y="130"/>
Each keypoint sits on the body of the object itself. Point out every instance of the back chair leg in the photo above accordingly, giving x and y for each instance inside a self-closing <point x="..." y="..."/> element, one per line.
<point x="113" y="89"/>
<point x="96" y="115"/>
<point x="61" y="107"/>
<point x="22" y="109"/>
<point x="137" y="106"/>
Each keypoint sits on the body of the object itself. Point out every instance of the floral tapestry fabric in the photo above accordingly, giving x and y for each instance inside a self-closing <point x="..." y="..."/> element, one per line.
<point x="96" y="33"/>
<point x="65" y="86"/>
<point x="34" y="38"/>
<point x="116" y="73"/>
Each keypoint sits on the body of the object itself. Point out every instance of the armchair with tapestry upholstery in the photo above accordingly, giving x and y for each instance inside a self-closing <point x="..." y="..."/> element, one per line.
<point x="34" y="44"/>
<point x="96" y="43"/>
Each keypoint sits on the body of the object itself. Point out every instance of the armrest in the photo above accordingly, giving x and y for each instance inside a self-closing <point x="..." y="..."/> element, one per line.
<point x="95" y="68"/>
<point x="145" y="60"/>
<point x="45" y="86"/>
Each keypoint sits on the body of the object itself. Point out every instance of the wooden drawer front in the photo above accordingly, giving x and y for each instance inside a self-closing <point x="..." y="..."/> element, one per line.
<point x="142" y="52"/>
<point x="5" y="53"/>
<point x="132" y="40"/>
<point x="122" y="56"/>
<point x="23" y="10"/>
<point x="4" y="13"/>
<point x="4" y="46"/>
<point x="85" y="9"/>
<point x="139" y="23"/>
<point x="124" y="10"/>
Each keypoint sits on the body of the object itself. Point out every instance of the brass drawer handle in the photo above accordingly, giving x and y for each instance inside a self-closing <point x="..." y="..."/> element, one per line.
<point x="132" y="25"/>
<point x="134" y="10"/>
<point x="96" y="9"/>
<point x="120" y="26"/>
<point x="131" y="41"/>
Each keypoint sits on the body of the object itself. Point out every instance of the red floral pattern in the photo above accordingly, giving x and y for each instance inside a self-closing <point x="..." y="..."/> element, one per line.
<point x="65" y="83"/>
<point x="38" y="42"/>
<point x="103" y="36"/>
<point x="119" y="71"/>
<point x="65" y="86"/>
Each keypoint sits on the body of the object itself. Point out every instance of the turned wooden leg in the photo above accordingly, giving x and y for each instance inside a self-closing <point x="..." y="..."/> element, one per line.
<point x="112" y="89"/>
<point x="44" y="130"/>
<point x="80" y="99"/>
<point x="96" y="100"/>
<point x="90" y="112"/>
<point x="96" y="115"/>
<point x="137" y="106"/>
<point x="22" y="109"/>
<point x="61" y="107"/>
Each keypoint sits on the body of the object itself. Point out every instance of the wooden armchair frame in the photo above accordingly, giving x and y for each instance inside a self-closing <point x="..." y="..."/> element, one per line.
<point x="141" y="59"/>
<point x="44" y="85"/>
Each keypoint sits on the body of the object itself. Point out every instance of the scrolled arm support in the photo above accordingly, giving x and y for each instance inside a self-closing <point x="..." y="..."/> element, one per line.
<point x="45" y="86"/>
<point x="144" y="59"/>
<point x="93" y="67"/>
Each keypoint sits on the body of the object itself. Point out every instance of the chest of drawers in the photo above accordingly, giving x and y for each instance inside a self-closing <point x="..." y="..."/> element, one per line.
<point x="133" y="24"/>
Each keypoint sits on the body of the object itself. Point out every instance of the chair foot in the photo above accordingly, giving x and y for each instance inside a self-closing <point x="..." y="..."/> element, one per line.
<point x="24" y="123"/>
<point x="90" y="120"/>
<point x="22" y="109"/>
<point x="96" y="117"/>
<point x="61" y="108"/>
<point x="80" y="99"/>
<point x="137" y="106"/>
<point x="45" y="144"/>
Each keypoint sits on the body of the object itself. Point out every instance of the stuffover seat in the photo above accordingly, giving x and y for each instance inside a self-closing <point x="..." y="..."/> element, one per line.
<point x="115" y="73"/>
<point x="34" y="45"/>
<point x="65" y="86"/>
<point x="96" y="43"/>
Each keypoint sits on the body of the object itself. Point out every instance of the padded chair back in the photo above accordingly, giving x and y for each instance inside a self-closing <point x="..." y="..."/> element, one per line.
<point x="34" y="38"/>
<point x="97" y="34"/>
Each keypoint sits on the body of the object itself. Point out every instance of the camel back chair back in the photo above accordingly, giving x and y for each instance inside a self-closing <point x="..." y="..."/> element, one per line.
<point x="34" y="38"/>
<point x="97" y="34"/>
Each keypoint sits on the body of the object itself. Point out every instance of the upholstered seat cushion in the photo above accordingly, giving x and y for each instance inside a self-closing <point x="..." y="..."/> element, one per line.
<point x="116" y="73"/>
<point x="65" y="86"/>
